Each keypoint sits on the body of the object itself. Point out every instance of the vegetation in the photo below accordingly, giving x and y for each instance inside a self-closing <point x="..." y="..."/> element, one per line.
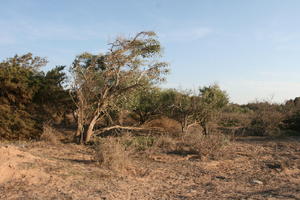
<point x="123" y="80"/>
<point x="29" y="97"/>
<point x="100" y="80"/>
<point x="135" y="135"/>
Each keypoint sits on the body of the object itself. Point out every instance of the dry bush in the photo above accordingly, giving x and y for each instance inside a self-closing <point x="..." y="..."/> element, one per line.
<point x="169" y="125"/>
<point x="50" y="135"/>
<point x="194" y="129"/>
<point x="111" y="153"/>
<point x="202" y="145"/>
<point x="137" y="143"/>
<point x="235" y="123"/>
<point x="266" y="122"/>
<point x="235" y="119"/>
<point x="164" y="143"/>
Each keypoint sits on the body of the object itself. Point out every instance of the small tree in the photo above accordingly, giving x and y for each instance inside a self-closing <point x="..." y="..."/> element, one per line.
<point x="100" y="80"/>
<point x="208" y="105"/>
<point x="145" y="103"/>
<point x="177" y="105"/>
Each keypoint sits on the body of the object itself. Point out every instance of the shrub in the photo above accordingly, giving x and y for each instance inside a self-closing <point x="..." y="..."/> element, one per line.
<point x="164" y="143"/>
<point x="201" y="145"/>
<point x="266" y="121"/>
<point x="138" y="143"/>
<point x="204" y="146"/>
<point x="50" y="135"/>
<point x="111" y="153"/>
<point x="28" y="96"/>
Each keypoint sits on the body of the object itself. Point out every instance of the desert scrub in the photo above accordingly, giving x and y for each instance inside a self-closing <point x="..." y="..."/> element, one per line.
<point x="111" y="153"/>
<point x="209" y="146"/>
<point x="138" y="143"/>
<point x="164" y="143"/>
<point x="50" y="135"/>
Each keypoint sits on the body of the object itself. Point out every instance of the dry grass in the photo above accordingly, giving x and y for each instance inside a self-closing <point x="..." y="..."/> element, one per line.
<point x="209" y="147"/>
<point x="50" y="135"/>
<point x="257" y="168"/>
<point x="111" y="153"/>
<point x="202" y="145"/>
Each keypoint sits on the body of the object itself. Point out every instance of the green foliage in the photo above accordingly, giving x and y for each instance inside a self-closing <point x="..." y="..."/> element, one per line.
<point x="292" y="119"/>
<point x="209" y="104"/>
<point x="177" y="105"/>
<point x="24" y="91"/>
<point x="139" y="143"/>
<point x="145" y="103"/>
<point x="19" y="83"/>
<point x="52" y="98"/>
<point x="102" y="81"/>
<point x="213" y="97"/>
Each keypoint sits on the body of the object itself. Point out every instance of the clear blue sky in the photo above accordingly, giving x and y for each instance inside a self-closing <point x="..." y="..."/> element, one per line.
<point x="250" y="48"/>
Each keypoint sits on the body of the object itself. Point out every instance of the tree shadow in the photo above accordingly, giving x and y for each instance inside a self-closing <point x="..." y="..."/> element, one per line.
<point x="81" y="161"/>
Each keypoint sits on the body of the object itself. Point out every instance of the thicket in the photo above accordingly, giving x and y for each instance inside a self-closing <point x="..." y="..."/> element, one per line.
<point x="30" y="97"/>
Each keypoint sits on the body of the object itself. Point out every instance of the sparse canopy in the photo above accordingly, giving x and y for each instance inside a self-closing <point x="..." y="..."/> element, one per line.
<point x="99" y="80"/>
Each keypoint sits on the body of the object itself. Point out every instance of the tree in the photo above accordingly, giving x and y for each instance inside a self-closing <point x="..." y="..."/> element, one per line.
<point x="52" y="97"/>
<point x="100" y="80"/>
<point x="209" y="103"/>
<point x="177" y="105"/>
<point x="19" y="82"/>
<point x="145" y="103"/>
<point x="29" y="97"/>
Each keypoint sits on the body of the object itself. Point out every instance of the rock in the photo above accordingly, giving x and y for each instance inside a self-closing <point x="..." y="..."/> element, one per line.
<point x="255" y="181"/>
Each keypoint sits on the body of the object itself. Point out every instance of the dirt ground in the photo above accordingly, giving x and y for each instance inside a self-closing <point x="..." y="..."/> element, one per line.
<point x="250" y="168"/>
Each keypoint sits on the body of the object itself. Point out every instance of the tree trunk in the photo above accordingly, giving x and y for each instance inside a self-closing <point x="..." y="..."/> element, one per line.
<point x="90" y="131"/>
<point x="78" y="137"/>
<point x="206" y="129"/>
<point x="204" y="125"/>
<point x="184" y="125"/>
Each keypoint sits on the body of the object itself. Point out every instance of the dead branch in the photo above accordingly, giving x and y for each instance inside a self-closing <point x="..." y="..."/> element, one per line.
<point x="132" y="128"/>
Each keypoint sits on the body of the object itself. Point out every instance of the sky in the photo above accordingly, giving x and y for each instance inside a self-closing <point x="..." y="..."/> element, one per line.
<point x="250" y="48"/>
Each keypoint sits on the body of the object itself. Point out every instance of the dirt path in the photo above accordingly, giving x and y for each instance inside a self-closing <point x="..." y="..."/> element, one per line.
<point x="250" y="168"/>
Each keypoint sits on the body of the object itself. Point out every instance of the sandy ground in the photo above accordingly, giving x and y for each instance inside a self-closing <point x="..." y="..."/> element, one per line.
<point x="250" y="168"/>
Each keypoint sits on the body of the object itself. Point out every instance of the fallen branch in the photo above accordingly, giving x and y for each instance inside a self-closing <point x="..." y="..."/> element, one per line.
<point x="132" y="128"/>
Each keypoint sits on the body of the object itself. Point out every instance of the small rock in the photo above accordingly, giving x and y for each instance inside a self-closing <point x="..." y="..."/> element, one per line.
<point x="255" y="181"/>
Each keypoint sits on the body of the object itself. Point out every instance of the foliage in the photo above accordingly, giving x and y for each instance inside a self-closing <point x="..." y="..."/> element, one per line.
<point x="100" y="80"/>
<point x="266" y="119"/>
<point x="145" y="103"/>
<point x="177" y="105"/>
<point x="52" y="98"/>
<point x="19" y="83"/>
<point x="138" y="143"/>
<point x="25" y="94"/>
<point x="208" y="105"/>
<point x="124" y="80"/>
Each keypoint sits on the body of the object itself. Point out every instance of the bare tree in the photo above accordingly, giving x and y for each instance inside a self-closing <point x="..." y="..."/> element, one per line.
<point x="100" y="80"/>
